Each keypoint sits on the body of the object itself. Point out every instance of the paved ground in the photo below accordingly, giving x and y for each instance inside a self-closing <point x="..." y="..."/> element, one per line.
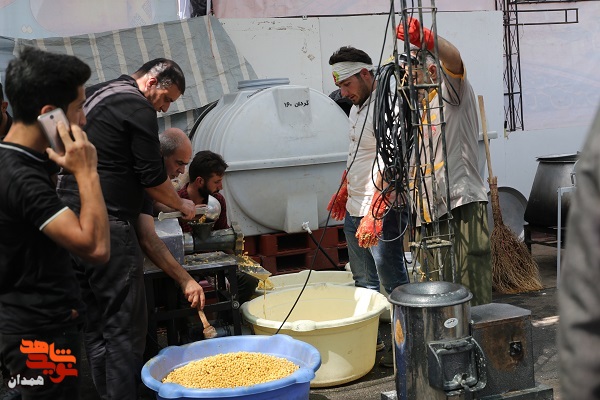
<point x="544" y="324"/>
<point x="543" y="307"/>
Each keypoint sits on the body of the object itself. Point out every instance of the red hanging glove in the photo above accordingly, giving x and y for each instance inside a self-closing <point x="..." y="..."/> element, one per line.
<point x="414" y="34"/>
<point x="337" y="204"/>
<point x="371" y="225"/>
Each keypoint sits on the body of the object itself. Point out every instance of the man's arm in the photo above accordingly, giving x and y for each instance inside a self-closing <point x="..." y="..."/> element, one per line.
<point x="160" y="255"/>
<point x="450" y="56"/>
<point x="447" y="52"/>
<point x="165" y="193"/>
<point x="160" y="207"/>
<point x="88" y="235"/>
<point x="145" y="148"/>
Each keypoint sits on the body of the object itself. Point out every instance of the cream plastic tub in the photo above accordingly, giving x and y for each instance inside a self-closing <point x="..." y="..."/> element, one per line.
<point x="340" y="321"/>
<point x="289" y="281"/>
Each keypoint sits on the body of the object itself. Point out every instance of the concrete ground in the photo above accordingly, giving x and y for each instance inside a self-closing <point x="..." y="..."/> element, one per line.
<point x="542" y="304"/>
<point x="544" y="317"/>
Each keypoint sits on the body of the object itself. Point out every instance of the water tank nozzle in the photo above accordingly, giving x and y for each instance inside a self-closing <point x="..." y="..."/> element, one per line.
<point x="306" y="227"/>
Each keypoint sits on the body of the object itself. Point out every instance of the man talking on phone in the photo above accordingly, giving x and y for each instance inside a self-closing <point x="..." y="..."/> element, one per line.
<point x="122" y="125"/>
<point x="41" y="309"/>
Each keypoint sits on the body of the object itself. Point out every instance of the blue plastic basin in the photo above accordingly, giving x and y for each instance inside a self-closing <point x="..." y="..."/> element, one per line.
<point x="295" y="386"/>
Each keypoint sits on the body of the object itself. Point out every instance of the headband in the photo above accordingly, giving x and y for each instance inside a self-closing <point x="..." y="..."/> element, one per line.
<point x="345" y="69"/>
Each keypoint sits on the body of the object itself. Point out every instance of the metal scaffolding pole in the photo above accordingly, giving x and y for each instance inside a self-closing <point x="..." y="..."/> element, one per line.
<point x="431" y="241"/>
<point x="513" y="97"/>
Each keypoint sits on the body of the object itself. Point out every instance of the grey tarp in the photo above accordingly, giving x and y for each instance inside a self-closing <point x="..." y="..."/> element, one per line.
<point x="209" y="59"/>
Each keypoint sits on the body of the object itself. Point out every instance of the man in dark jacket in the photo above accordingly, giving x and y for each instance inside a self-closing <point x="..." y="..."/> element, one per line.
<point x="579" y="295"/>
<point x="122" y="124"/>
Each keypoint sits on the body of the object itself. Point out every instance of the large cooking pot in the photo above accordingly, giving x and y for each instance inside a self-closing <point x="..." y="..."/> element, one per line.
<point x="553" y="172"/>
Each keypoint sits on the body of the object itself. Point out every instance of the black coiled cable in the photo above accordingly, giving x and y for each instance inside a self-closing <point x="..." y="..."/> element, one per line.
<point x="392" y="129"/>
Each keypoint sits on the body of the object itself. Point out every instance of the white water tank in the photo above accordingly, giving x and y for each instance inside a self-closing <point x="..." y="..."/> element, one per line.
<point x="286" y="147"/>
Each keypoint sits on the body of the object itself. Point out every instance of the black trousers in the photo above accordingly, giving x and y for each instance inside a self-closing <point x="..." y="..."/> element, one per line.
<point x="116" y="321"/>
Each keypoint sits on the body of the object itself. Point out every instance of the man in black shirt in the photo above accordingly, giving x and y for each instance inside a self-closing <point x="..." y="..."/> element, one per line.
<point x="122" y="124"/>
<point x="40" y="302"/>
<point x="5" y="123"/>
<point x="5" y="118"/>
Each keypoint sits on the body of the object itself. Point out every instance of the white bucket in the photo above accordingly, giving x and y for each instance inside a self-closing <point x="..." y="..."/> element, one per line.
<point x="340" y="321"/>
<point x="289" y="281"/>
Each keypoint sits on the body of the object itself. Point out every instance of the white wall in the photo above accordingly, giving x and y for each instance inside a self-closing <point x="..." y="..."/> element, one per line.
<point x="299" y="49"/>
<point x="312" y="8"/>
<point x="551" y="56"/>
<point x="280" y="47"/>
<point x="561" y="90"/>
<point x="32" y="19"/>
<point x="559" y="62"/>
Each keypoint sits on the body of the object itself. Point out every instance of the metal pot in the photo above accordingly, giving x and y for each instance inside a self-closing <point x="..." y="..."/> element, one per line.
<point x="553" y="172"/>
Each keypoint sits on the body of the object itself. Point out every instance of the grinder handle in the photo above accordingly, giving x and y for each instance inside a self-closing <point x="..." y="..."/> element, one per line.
<point x="177" y="214"/>
<point x="212" y="210"/>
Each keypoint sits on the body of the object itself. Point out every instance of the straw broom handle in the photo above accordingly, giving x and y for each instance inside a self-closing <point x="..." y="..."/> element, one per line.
<point x="492" y="180"/>
<point x="485" y="134"/>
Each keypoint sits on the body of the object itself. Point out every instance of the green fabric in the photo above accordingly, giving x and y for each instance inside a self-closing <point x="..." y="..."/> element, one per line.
<point x="473" y="258"/>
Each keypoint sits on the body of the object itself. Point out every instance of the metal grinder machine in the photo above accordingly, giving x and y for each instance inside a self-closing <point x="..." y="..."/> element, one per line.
<point x="203" y="252"/>
<point x="444" y="349"/>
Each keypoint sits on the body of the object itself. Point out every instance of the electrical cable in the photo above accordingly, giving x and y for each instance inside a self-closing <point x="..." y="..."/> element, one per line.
<point x="319" y="247"/>
<point x="394" y="139"/>
<point x="311" y="267"/>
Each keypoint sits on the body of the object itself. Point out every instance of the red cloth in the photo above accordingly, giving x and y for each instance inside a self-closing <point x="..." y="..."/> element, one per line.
<point x="220" y="223"/>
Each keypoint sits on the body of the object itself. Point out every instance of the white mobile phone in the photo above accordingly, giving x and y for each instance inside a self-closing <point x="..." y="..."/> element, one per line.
<point x="48" y="122"/>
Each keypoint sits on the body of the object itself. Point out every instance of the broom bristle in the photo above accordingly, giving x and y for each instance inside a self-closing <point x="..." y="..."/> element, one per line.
<point x="513" y="268"/>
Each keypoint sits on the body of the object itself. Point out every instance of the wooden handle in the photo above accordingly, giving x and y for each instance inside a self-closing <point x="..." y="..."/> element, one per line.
<point x="205" y="322"/>
<point x="209" y="331"/>
<point x="485" y="135"/>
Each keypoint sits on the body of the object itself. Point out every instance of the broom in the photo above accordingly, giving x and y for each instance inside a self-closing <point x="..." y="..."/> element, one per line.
<point x="513" y="268"/>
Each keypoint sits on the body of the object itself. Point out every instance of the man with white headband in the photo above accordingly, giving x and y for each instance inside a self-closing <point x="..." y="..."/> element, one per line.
<point x="358" y="199"/>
